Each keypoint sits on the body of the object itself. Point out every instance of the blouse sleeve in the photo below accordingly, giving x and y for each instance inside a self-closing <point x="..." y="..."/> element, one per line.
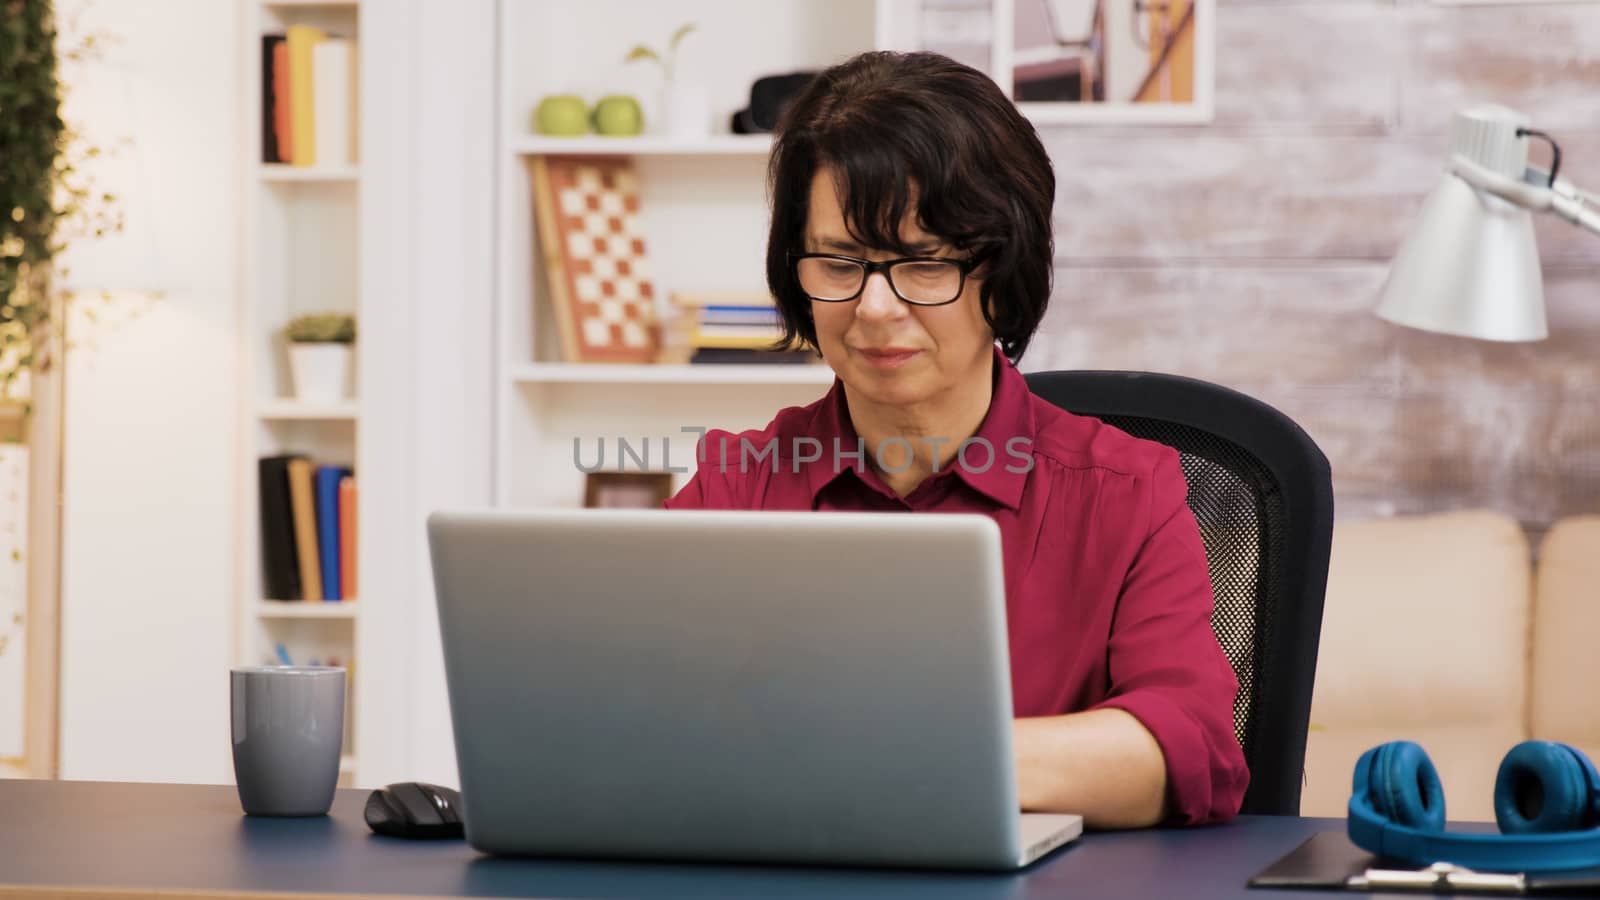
<point x="1166" y="666"/>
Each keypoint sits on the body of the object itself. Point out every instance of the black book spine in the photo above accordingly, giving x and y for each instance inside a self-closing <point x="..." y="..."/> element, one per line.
<point x="269" y="100"/>
<point x="280" y="562"/>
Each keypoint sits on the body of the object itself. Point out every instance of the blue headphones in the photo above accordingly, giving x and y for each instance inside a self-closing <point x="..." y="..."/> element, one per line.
<point x="1546" y="803"/>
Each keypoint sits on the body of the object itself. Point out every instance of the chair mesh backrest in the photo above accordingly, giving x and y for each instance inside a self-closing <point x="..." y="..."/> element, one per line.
<point x="1242" y="519"/>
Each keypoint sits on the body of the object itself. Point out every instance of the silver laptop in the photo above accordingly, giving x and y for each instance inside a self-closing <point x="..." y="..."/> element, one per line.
<point x="805" y="688"/>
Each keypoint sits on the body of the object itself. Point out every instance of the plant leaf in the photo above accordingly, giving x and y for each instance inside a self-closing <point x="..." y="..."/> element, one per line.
<point x="639" y="52"/>
<point x="678" y="36"/>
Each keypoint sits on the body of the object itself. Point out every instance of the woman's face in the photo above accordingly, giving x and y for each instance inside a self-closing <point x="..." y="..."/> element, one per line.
<point x="885" y="350"/>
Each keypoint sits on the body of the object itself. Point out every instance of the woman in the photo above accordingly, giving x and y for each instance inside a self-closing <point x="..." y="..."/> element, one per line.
<point x="911" y="245"/>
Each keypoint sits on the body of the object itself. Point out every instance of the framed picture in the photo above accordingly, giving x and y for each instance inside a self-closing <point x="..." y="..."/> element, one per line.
<point x="626" y="490"/>
<point x="593" y="252"/>
<point x="1067" y="61"/>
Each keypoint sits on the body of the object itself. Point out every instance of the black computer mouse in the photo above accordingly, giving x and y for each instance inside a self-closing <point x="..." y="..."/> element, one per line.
<point x="414" y="809"/>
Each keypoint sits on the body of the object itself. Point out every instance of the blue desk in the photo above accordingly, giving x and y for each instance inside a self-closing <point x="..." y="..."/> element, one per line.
<point x="194" y="837"/>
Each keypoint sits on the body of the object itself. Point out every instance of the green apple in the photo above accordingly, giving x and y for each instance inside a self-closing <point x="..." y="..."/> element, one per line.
<point x="562" y="114"/>
<point x="618" y="114"/>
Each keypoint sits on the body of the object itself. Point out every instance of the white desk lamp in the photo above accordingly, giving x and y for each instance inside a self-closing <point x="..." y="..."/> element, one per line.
<point x="1470" y="266"/>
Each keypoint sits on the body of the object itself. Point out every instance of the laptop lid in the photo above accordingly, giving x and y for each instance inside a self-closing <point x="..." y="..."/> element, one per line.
<point x="802" y="687"/>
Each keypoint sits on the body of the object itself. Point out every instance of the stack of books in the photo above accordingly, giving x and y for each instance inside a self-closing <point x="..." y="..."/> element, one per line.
<point x="308" y="529"/>
<point x="726" y="328"/>
<point x="308" y="98"/>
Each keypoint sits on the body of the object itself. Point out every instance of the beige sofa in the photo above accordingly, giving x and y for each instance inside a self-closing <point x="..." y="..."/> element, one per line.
<point x="1442" y="629"/>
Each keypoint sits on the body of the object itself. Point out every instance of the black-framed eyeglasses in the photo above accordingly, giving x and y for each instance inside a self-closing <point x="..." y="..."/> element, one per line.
<point x="918" y="280"/>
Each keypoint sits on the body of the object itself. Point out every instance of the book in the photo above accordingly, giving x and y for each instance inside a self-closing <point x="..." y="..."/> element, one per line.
<point x="270" y="100"/>
<point x="748" y="317"/>
<point x="302" y="501"/>
<point x="348" y="496"/>
<point x="281" y="117"/>
<point x="740" y="356"/>
<point x="280" y="563"/>
<point x="757" y="341"/>
<point x="333" y="78"/>
<point x="746" y="299"/>
<point x="302" y="40"/>
<point x="766" y="332"/>
<point x="326" y="486"/>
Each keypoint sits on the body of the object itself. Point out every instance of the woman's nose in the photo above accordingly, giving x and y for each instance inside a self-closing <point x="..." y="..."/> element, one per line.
<point x="878" y="300"/>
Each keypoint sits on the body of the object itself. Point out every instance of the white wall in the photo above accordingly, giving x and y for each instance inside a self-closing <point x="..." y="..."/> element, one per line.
<point x="427" y="368"/>
<point x="149" y="505"/>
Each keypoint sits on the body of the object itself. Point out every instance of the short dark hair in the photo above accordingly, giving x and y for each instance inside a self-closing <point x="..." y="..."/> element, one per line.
<point x="891" y="123"/>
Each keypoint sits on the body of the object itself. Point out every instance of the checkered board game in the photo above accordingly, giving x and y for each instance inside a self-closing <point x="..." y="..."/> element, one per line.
<point x="595" y="260"/>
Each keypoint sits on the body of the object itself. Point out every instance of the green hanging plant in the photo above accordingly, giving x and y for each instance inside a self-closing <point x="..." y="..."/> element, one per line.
<point x="31" y="138"/>
<point x="47" y="198"/>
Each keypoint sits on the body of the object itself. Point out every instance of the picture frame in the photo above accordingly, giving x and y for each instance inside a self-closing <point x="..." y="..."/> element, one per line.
<point x="626" y="490"/>
<point x="1074" y="61"/>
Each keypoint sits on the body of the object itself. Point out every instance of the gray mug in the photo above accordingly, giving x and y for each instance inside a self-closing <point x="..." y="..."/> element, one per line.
<point x="288" y="734"/>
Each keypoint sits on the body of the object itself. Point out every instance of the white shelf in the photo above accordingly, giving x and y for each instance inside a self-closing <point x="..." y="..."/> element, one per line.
<point x="299" y="609"/>
<point x="310" y="4"/>
<point x="294" y="409"/>
<point x="285" y="172"/>
<point x="621" y="373"/>
<point x="304" y="252"/>
<point x="712" y="145"/>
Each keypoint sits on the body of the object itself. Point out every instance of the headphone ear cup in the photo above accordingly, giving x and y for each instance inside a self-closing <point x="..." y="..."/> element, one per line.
<point x="1404" y="787"/>
<point x="1543" y="786"/>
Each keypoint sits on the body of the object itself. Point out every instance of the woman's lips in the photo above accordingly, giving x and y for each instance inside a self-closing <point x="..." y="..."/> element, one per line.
<point x="887" y="357"/>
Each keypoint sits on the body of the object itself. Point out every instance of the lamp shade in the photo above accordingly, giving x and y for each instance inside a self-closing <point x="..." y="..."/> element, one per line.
<point x="1470" y="266"/>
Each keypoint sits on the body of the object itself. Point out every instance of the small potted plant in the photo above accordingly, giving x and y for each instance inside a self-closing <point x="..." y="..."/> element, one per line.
<point x="320" y="356"/>
<point x="686" y="106"/>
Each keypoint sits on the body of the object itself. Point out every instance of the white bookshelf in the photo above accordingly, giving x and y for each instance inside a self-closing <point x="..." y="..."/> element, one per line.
<point x="283" y="172"/>
<point x="703" y="213"/>
<point x="292" y="5"/>
<point x="645" y="145"/>
<point x="302" y="254"/>
<point x="292" y="410"/>
<point x="665" y="374"/>
<point x="288" y="609"/>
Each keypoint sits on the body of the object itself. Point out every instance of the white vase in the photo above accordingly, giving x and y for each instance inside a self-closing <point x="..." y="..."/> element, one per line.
<point x="321" y="372"/>
<point x="686" y="107"/>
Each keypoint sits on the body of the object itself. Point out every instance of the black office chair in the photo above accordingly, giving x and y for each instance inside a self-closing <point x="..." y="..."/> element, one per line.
<point x="1262" y="492"/>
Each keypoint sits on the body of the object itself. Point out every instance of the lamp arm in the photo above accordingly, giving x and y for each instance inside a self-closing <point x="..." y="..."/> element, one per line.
<point x="1562" y="199"/>
<point x="1579" y="207"/>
